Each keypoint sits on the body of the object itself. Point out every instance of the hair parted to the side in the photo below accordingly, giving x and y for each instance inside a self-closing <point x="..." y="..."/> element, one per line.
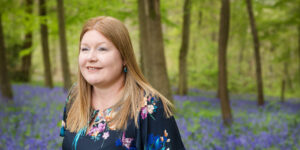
<point x="134" y="87"/>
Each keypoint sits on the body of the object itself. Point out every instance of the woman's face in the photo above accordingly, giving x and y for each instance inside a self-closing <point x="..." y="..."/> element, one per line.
<point x="100" y="61"/>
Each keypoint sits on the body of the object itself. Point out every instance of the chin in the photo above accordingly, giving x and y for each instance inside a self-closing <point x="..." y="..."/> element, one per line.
<point x="93" y="82"/>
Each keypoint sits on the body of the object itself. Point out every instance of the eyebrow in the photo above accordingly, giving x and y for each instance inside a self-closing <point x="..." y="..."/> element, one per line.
<point x="99" y="43"/>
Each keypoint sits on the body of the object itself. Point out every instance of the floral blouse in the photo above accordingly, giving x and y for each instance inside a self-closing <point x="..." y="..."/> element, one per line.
<point x="155" y="132"/>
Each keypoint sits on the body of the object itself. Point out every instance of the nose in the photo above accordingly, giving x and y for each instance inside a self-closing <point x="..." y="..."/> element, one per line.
<point x="92" y="56"/>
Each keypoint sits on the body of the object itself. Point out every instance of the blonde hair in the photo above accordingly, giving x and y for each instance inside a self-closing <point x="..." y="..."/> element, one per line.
<point x="135" y="85"/>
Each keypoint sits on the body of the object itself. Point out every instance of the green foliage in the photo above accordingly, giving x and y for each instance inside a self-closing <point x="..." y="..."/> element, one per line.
<point x="189" y="109"/>
<point x="277" y="22"/>
<point x="25" y="52"/>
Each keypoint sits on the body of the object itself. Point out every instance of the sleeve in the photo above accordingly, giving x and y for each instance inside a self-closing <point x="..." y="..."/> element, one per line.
<point x="156" y="131"/>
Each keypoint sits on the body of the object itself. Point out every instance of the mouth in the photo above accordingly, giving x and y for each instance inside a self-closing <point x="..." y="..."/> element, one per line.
<point x="93" y="68"/>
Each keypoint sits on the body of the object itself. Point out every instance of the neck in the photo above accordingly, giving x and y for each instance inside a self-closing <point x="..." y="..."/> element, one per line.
<point x="104" y="97"/>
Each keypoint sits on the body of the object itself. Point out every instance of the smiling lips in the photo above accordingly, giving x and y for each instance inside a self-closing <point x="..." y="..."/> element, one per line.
<point x="92" y="68"/>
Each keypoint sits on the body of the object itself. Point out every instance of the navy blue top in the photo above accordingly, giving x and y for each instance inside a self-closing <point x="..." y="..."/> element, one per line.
<point x="155" y="131"/>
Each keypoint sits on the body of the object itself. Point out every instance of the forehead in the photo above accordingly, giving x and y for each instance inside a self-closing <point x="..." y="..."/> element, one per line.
<point x="93" y="37"/>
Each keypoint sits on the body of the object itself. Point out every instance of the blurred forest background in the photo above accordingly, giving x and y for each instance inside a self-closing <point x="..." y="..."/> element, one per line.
<point x="213" y="51"/>
<point x="277" y="24"/>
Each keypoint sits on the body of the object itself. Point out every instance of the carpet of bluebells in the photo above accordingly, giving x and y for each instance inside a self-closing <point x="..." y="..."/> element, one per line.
<point x="33" y="121"/>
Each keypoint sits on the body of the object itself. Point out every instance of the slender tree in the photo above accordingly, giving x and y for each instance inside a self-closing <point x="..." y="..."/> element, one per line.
<point x="283" y="82"/>
<point x="5" y="85"/>
<point x="241" y="56"/>
<point x="26" y="59"/>
<point x="259" y="80"/>
<point x="299" y="53"/>
<point x="143" y="32"/>
<point x="223" y="40"/>
<point x="152" y="47"/>
<point x="63" y="45"/>
<point x="45" y="46"/>
<point x="182" y="87"/>
<point x="200" y="16"/>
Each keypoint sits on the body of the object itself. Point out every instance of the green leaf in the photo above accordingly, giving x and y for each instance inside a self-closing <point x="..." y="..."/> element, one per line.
<point x="25" y="52"/>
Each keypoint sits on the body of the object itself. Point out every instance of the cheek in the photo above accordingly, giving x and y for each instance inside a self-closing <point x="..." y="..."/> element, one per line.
<point x="81" y="61"/>
<point x="117" y="63"/>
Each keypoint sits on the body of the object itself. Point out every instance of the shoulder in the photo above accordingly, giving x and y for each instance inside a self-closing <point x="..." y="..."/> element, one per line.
<point x="156" y="129"/>
<point x="153" y="107"/>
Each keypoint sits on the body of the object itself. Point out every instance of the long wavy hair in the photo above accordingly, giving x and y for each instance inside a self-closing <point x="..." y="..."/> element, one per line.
<point x="135" y="85"/>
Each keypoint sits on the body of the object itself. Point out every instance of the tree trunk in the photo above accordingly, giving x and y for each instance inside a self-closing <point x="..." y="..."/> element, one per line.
<point x="272" y="49"/>
<point x="241" y="54"/>
<point x="182" y="86"/>
<point x="63" y="45"/>
<point x="223" y="40"/>
<point x="241" y="58"/>
<point x="214" y="36"/>
<point x="6" y="90"/>
<point x="200" y="16"/>
<point x="283" y="82"/>
<point x="288" y="79"/>
<point x="152" y="46"/>
<point x="282" y="90"/>
<point x="299" y="53"/>
<point x="259" y="79"/>
<point x="26" y="60"/>
<point x="45" y="46"/>
<point x="143" y="32"/>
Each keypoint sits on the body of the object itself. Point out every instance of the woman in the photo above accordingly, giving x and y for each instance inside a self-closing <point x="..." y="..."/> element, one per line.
<point x="112" y="106"/>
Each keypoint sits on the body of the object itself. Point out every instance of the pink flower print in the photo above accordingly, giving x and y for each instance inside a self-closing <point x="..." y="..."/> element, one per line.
<point x="144" y="112"/>
<point x="92" y="131"/>
<point x="97" y="129"/>
<point x="150" y="109"/>
<point x="101" y="127"/>
<point x="95" y="133"/>
<point x="126" y="141"/>
<point x="105" y="135"/>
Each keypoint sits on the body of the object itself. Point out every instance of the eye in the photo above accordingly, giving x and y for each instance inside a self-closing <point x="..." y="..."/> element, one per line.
<point x="102" y="48"/>
<point x="84" y="49"/>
